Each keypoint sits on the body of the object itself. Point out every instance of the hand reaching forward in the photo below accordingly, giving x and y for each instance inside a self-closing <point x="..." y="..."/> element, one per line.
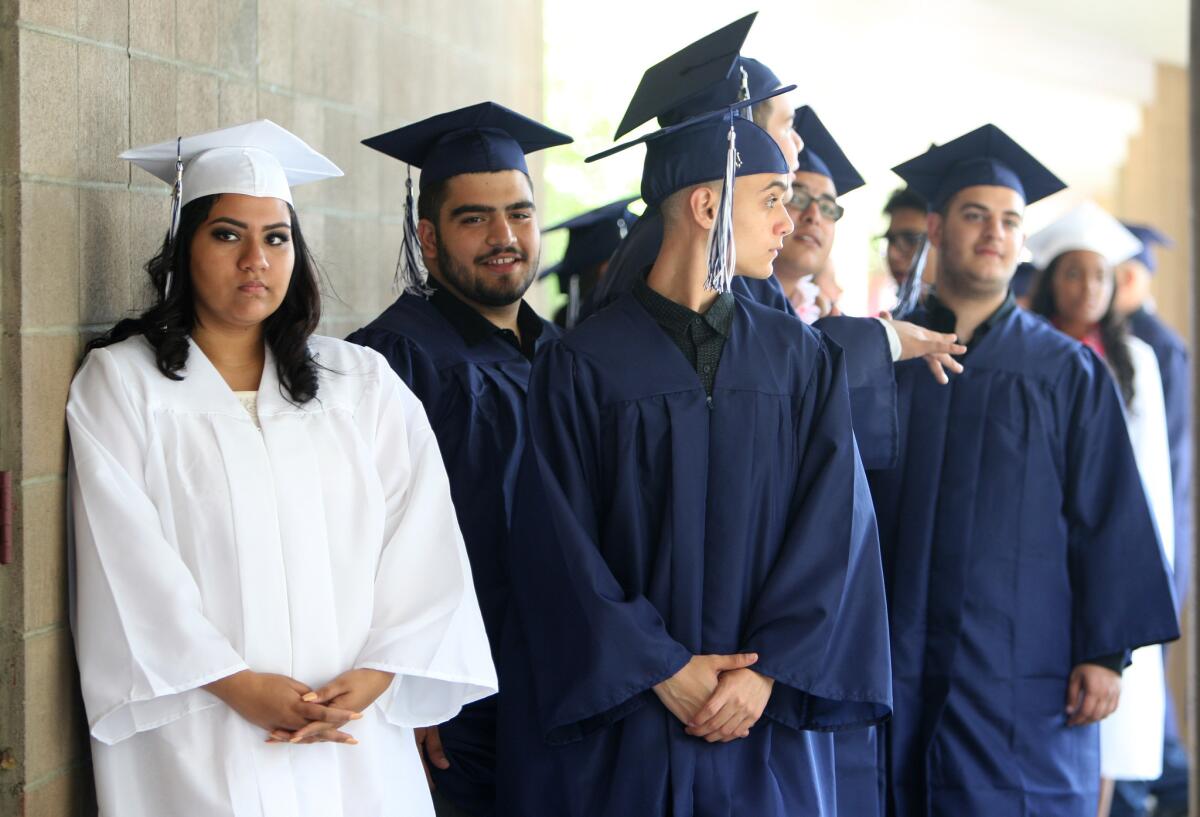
<point x="735" y="706"/>
<point x="1092" y="694"/>
<point x="936" y="348"/>
<point x="685" y="692"/>
<point x="276" y="703"/>
<point x="352" y="692"/>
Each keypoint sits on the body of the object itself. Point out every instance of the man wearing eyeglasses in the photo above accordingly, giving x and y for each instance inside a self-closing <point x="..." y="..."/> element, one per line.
<point x="907" y="212"/>
<point x="823" y="174"/>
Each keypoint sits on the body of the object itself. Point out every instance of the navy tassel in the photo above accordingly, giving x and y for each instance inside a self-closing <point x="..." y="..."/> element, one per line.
<point x="411" y="275"/>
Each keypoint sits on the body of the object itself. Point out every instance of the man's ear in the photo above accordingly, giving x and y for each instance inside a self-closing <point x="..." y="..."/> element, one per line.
<point x="934" y="228"/>
<point x="702" y="205"/>
<point x="427" y="234"/>
<point x="1124" y="276"/>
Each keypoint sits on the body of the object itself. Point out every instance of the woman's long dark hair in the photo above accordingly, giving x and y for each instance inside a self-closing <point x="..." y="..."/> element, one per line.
<point x="168" y="324"/>
<point x="1114" y="330"/>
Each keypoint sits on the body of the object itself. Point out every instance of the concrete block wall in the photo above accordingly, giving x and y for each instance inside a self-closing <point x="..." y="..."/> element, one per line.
<point x="80" y="81"/>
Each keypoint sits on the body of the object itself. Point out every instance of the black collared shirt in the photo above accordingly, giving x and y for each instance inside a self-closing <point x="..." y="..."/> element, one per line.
<point x="475" y="328"/>
<point x="943" y="319"/>
<point x="700" y="336"/>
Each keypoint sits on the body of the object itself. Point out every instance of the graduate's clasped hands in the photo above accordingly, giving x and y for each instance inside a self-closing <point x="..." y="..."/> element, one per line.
<point x="291" y="712"/>
<point x="717" y="697"/>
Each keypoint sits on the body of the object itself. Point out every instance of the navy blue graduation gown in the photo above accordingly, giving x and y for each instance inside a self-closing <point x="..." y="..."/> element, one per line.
<point x="1173" y="363"/>
<point x="1175" y="368"/>
<point x="475" y="398"/>
<point x="1017" y="544"/>
<point x="655" y="524"/>
<point x="867" y="354"/>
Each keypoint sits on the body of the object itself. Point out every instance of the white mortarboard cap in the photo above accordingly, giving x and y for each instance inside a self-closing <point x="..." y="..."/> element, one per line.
<point x="1087" y="227"/>
<point x="255" y="159"/>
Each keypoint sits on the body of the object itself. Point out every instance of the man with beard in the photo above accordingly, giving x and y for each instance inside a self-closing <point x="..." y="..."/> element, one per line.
<point x="462" y="338"/>
<point x="1021" y="558"/>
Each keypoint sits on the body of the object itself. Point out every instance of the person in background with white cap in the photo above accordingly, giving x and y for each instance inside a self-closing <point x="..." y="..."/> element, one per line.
<point x="1078" y="253"/>
<point x="1135" y="301"/>
<point x="267" y="562"/>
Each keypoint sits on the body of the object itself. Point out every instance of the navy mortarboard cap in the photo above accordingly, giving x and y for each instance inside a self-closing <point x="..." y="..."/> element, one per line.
<point x="696" y="79"/>
<point x="749" y="79"/>
<point x="985" y="156"/>
<point x="593" y="238"/>
<point x="821" y="153"/>
<point x="1023" y="278"/>
<point x="482" y="138"/>
<point x="715" y="146"/>
<point x="1150" y="238"/>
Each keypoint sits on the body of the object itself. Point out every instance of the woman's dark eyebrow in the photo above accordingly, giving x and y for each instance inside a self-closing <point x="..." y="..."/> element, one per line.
<point x="245" y="226"/>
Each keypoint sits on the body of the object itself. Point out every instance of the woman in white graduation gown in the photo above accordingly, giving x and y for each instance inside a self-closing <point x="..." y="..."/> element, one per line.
<point x="271" y="590"/>
<point x="1077" y="254"/>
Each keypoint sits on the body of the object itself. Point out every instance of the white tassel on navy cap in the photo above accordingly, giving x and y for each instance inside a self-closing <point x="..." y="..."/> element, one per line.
<point x="722" y="257"/>
<point x="411" y="275"/>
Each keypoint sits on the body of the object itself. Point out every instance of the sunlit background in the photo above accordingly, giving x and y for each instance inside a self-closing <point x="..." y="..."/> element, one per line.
<point x="1072" y="80"/>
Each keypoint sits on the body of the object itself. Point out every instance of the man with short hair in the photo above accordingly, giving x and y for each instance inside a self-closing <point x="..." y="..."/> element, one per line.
<point x="823" y="174"/>
<point x="677" y="88"/>
<point x="695" y="575"/>
<point x="462" y="337"/>
<point x="1022" y="561"/>
<point x="907" y="213"/>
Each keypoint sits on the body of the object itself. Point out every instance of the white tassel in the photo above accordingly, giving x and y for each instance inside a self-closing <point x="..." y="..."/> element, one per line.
<point x="411" y="275"/>
<point x="573" y="302"/>
<point x="909" y="296"/>
<point x="176" y="207"/>
<point x="722" y="256"/>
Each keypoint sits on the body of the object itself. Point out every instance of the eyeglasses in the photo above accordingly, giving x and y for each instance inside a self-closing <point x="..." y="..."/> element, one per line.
<point x="802" y="200"/>
<point x="905" y="240"/>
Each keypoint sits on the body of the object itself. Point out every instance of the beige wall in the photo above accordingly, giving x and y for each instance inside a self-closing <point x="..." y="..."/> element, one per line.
<point x="1153" y="188"/>
<point x="81" y="80"/>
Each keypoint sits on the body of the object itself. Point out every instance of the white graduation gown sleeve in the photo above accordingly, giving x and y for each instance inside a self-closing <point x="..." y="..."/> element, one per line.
<point x="1131" y="739"/>
<point x="136" y="601"/>
<point x="426" y="625"/>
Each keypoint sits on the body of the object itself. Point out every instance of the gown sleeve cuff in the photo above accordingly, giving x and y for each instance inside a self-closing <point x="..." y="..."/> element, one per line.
<point x="425" y="697"/>
<point x="802" y="705"/>
<point x="141" y="714"/>
<point x="599" y="712"/>
<point x="893" y="339"/>
<point x="1115" y="662"/>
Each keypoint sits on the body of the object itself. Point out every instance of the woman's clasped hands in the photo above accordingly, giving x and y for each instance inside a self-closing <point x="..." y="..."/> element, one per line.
<point x="292" y="712"/>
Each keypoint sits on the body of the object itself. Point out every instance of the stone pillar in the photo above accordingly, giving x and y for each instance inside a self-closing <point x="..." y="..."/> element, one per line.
<point x="80" y="81"/>
<point x="1193" y="645"/>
